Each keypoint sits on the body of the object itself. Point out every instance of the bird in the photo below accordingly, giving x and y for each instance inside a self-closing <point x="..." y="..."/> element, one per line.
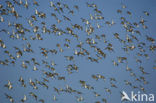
<point x="24" y="99"/>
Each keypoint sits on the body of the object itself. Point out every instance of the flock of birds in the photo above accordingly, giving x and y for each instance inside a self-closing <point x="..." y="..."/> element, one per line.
<point x="35" y="37"/>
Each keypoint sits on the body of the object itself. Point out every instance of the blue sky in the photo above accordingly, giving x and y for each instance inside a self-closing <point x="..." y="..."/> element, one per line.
<point x="86" y="68"/>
